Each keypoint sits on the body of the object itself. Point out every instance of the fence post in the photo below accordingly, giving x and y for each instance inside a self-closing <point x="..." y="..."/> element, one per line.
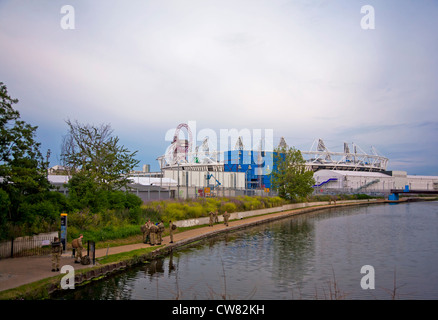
<point x="12" y="247"/>
<point x="91" y="246"/>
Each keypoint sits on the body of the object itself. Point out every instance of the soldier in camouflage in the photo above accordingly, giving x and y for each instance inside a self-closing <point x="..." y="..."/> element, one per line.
<point x="160" y="232"/>
<point x="226" y="217"/>
<point x="77" y="245"/>
<point x="172" y="228"/>
<point x="153" y="234"/>
<point x="56" y="254"/>
<point x="211" y="219"/>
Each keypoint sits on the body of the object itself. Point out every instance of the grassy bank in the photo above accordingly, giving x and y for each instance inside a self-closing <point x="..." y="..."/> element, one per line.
<point x="113" y="225"/>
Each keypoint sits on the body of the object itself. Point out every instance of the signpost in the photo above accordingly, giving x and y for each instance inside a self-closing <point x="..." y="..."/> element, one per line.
<point x="64" y="230"/>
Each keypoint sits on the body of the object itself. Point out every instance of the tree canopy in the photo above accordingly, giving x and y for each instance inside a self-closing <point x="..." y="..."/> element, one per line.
<point x="97" y="163"/>
<point x="290" y="176"/>
<point x="95" y="154"/>
<point x="24" y="189"/>
<point x="98" y="166"/>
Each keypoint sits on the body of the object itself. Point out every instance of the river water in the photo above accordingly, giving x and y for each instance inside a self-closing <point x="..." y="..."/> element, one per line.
<point x="313" y="256"/>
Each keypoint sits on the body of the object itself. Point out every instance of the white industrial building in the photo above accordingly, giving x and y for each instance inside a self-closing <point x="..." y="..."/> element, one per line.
<point x="203" y="178"/>
<point x="368" y="182"/>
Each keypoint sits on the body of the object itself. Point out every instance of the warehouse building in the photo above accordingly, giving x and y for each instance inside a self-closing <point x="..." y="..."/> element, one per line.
<point x="327" y="181"/>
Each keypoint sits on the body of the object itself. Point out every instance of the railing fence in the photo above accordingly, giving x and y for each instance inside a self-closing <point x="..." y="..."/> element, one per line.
<point x="27" y="246"/>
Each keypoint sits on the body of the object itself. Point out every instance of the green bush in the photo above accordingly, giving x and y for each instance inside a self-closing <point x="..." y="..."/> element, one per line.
<point x="194" y="210"/>
<point x="229" y="207"/>
<point x="150" y="213"/>
<point x="119" y="223"/>
<point x="132" y="201"/>
<point x="251" y="203"/>
<point x="109" y="232"/>
<point x="116" y="200"/>
<point x="173" y="211"/>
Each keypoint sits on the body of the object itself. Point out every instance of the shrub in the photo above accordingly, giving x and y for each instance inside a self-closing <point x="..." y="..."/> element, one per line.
<point x="132" y="201"/>
<point x="110" y="232"/>
<point x="151" y="213"/>
<point x="251" y="203"/>
<point x="194" y="210"/>
<point x="229" y="207"/>
<point x="173" y="211"/>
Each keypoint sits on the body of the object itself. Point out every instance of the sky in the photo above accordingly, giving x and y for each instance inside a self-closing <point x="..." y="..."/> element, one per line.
<point x="306" y="70"/>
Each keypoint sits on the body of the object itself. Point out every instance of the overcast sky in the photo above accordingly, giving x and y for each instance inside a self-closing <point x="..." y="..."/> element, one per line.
<point x="305" y="69"/>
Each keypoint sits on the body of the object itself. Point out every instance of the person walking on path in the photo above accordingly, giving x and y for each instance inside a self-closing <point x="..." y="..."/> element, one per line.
<point x="148" y="232"/>
<point x="77" y="245"/>
<point x="172" y="228"/>
<point x="211" y="219"/>
<point x="226" y="217"/>
<point x="56" y="253"/>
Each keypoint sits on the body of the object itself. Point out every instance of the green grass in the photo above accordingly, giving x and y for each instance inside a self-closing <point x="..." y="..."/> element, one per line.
<point x="123" y="256"/>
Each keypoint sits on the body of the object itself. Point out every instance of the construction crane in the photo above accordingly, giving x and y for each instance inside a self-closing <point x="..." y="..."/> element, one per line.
<point x="209" y="176"/>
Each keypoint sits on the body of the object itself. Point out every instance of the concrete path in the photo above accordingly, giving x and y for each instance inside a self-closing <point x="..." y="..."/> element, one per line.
<point x="15" y="272"/>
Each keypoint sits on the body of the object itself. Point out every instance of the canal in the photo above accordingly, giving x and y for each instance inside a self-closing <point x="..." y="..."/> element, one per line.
<point x="314" y="256"/>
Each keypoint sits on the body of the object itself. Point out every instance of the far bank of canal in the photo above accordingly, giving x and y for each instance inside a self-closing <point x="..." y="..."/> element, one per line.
<point x="318" y="255"/>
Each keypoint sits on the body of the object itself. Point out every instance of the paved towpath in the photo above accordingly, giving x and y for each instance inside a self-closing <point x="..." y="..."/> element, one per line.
<point x="15" y="272"/>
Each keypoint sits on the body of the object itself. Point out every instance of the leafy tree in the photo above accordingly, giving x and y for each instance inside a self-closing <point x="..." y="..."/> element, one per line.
<point x="98" y="165"/>
<point x="23" y="179"/>
<point x="290" y="176"/>
<point x="94" y="153"/>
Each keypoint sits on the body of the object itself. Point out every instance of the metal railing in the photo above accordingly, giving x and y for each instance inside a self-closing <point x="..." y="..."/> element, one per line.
<point x="27" y="246"/>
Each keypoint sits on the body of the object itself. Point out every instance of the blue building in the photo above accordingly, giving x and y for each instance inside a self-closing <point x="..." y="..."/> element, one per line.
<point x="257" y="165"/>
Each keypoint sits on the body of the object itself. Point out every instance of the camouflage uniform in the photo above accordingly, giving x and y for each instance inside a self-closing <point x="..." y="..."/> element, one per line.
<point x="77" y="244"/>
<point x="145" y="229"/>
<point x="211" y="218"/>
<point x="171" y="226"/>
<point x="226" y="217"/>
<point x="56" y="254"/>
<point x="153" y="234"/>
<point x="148" y="232"/>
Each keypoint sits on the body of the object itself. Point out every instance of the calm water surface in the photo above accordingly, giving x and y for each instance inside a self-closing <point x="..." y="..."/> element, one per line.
<point x="314" y="256"/>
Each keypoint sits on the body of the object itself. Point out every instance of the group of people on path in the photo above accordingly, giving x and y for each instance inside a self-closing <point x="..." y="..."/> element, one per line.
<point x="214" y="218"/>
<point x="153" y="233"/>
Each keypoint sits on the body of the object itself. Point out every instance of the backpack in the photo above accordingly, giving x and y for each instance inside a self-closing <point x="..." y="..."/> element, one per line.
<point x="56" y="247"/>
<point x="75" y="243"/>
<point x="85" y="260"/>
